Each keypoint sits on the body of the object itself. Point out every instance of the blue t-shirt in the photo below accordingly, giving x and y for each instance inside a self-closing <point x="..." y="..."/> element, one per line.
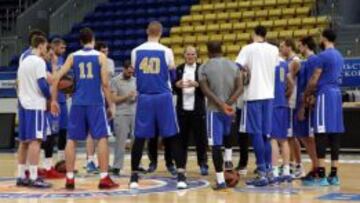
<point x="61" y="96"/>
<point x="281" y="72"/>
<point x="87" y="76"/>
<point x="331" y="62"/>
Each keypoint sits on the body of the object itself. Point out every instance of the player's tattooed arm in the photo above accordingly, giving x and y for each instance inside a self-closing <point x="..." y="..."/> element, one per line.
<point x="55" y="109"/>
<point x="238" y="90"/>
<point x="105" y="84"/>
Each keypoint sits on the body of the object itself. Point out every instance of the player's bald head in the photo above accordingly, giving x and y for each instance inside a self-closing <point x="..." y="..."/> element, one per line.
<point x="154" y="29"/>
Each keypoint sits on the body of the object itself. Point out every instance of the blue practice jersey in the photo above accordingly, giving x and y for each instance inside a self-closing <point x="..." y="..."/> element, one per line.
<point x="25" y="54"/>
<point x="87" y="75"/>
<point x="281" y="72"/>
<point x="61" y="97"/>
<point x="331" y="62"/>
<point x="152" y="62"/>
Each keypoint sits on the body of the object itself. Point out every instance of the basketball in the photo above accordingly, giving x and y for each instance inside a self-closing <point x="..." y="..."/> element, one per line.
<point x="60" y="167"/>
<point x="66" y="84"/>
<point x="232" y="178"/>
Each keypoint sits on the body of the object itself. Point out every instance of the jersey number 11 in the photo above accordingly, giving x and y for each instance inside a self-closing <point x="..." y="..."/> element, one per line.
<point x="89" y="74"/>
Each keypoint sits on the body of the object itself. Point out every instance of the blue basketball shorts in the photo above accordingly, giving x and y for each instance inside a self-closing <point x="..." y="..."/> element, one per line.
<point x="280" y="123"/>
<point x="218" y="125"/>
<point x="32" y="124"/>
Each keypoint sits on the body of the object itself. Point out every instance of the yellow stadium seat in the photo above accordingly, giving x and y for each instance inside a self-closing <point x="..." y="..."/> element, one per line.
<point x="296" y="3"/>
<point x="268" y="23"/>
<point x="208" y="8"/>
<point x="202" y="39"/>
<point x="251" y="25"/>
<point x="235" y="17"/>
<point x="217" y="38"/>
<point x="176" y="40"/>
<point x="187" y="29"/>
<point x="261" y="14"/>
<point x="229" y="39"/>
<point x="300" y="33"/>
<point x="196" y="9"/>
<point x="200" y="29"/>
<point x="274" y="14"/>
<point x="210" y="18"/>
<point x="186" y="20"/>
<point x="257" y="4"/>
<point x="314" y="32"/>
<point x="280" y="24"/>
<point x="243" y="36"/>
<point x="272" y="35"/>
<point x="233" y="49"/>
<point x="282" y="3"/>
<point x="232" y="6"/>
<point x="203" y="49"/>
<point x="286" y="34"/>
<point x="322" y="21"/>
<point x="244" y="5"/>
<point x="248" y="15"/>
<point x="189" y="40"/>
<point x="219" y="7"/>
<point x="175" y="30"/>
<point x="178" y="50"/>
<point x="308" y="3"/>
<point x="213" y="28"/>
<point x="226" y="27"/>
<point x="302" y="11"/>
<point x="308" y="22"/>
<point x="239" y="26"/>
<point x="165" y="41"/>
<point x="288" y="12"/>
<point x="294" y="23"/>
<point x="222" y="17"/>
<point x="270" y="3"/>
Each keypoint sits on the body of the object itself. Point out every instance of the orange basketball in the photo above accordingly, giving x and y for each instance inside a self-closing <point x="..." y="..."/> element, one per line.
<point x="232" y="178"/>
<point x="66" y="84"/>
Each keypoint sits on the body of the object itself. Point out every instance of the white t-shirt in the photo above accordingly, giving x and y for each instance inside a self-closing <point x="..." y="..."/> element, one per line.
<point x="189" y="92"/>
<point x="30" y="70"/>
<point x="261" y="60"/>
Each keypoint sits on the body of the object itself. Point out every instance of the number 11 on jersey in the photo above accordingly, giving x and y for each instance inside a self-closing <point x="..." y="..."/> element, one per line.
<point x="88" y="67"/>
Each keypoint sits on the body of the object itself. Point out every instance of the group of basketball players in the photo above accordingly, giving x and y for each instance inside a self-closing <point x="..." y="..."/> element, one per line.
<point x="286" y="100"/>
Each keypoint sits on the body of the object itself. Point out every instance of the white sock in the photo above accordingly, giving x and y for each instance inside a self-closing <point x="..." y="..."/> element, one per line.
<point x="33" y="172"/>
<point x="276" y="171"/>
<point x="61" y="155"/>
<point x="91" y="159"/>
<point x="21" y="171"/>
<point x="70" y="175"/>
<point x="103" y="175"/>
<point x="286" y="170"/>
<point x="228" y="155"/>
<point x="220" y="177"/>
<point x="48" y="163"/>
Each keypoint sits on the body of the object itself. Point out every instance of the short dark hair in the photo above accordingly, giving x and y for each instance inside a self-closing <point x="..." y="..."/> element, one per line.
<point x="34" y="33"/>
<point x="86" y="35"/>
<point x="290" y="43"/>
<point x="38" y="40"/>
<point x="127" y="64"/>
<point x="329" y="34"/>
<point x="100" y="45"/>
<point x="309" y="42"/>
<point x="154" y="28"/>
<point x="57" y="41"/>
<point x="214" y="47"/>
<point x="260" y="31"/>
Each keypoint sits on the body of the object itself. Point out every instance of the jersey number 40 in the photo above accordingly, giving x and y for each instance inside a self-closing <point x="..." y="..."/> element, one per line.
<point x="150" y="65"/>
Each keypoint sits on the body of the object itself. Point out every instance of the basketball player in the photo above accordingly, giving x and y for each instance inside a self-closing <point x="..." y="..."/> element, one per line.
<point x="155" y="112"/>
<point x="280" y="124"/>
<point x="258" y="60"/>
<point x="287" y="49"/>
<point x="303" y="126"/>
<point x="33" y="90"/>
<point x="220" y="82"/>
<point x="328" y="115"/>
<point x="87" y="114"/>
<point x="28" y="51"/>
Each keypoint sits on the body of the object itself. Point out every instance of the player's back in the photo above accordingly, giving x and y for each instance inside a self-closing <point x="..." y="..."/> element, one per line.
<point x="30" y="70"/>
<point x="331" y="62"/>
<point x="152" y="62"/>
<point x="87" y="75"/>
<point x="281" y="72"/>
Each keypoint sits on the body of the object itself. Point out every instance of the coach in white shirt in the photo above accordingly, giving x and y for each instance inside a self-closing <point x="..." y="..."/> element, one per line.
<point x="258" y="60"/>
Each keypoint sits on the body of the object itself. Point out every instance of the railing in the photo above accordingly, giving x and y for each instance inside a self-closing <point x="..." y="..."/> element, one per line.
<point x="71" y="12"/>
<point x="8" y="46"/>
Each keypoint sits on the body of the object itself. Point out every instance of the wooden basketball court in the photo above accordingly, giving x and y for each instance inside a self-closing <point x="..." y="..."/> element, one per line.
<point x="151" y="187"/>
